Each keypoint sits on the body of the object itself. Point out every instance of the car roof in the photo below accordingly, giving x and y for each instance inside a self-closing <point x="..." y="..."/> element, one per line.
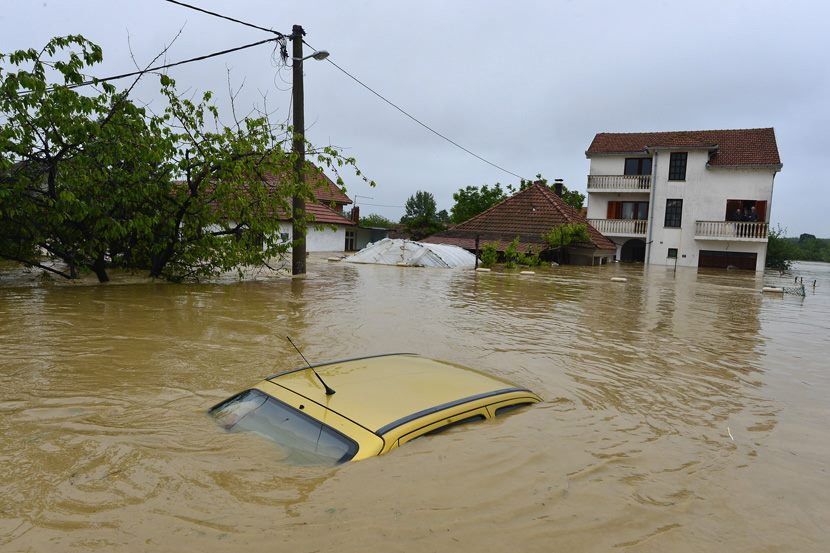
<point x="379" y="392"/>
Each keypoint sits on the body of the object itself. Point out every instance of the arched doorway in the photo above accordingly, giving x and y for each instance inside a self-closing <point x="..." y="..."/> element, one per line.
<point x="633" y="250"/>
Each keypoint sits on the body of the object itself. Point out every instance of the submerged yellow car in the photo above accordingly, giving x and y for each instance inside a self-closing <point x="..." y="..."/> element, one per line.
<point x="358" y="408"/>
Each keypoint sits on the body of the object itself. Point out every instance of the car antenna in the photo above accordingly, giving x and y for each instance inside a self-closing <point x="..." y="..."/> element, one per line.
<point x="329" y="391"/>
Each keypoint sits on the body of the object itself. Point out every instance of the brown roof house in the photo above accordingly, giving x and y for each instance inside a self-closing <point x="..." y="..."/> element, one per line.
<point x="336" y="229"/>
<point x="341" y="229"/>
<point x="527" y="215"/>
<point x="685" y="198"/>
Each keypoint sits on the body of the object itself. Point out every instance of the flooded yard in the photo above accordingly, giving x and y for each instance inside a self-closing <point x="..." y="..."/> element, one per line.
<point x="683" y="411"/>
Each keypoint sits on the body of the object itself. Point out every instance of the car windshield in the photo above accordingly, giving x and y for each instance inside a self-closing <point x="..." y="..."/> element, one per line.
<point x="306" y="440"/>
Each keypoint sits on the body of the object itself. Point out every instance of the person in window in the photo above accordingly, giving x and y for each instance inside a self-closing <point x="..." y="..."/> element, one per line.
<point x="752" y="215"/>
<point x="737" y="215"/>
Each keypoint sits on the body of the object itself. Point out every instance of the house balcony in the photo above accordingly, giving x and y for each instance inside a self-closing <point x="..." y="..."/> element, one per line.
<point x="620" y="227"/>
<point x="619" y="183"/>
<point x="743" y="231"/>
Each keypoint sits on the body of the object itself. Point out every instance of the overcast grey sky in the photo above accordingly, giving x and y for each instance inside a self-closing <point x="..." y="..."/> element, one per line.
<point x="523" y="84"/>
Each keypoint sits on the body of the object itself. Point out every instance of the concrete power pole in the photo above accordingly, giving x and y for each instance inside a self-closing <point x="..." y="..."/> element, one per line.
<point x="298" y="230"/>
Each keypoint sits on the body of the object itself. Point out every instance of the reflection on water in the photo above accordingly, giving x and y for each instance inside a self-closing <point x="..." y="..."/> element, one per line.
<point x="683" y="411"/>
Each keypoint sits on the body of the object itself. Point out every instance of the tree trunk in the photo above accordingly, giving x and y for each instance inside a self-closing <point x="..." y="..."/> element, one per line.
<point x="100" y="269"/>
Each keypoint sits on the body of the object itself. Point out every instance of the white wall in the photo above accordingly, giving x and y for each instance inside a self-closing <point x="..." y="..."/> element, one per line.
<point x="598" y="201"/>
<point x="704" y="194"/>
<point x="326" y="240"/>
<point x="609" y="165"/>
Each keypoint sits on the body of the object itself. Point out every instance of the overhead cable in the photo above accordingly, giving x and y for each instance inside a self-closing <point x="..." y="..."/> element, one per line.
<point x="198" y="9"/>
<point x="424" y="125"/>
<point x="358" y="81"/>
<point x="158" y="67"/>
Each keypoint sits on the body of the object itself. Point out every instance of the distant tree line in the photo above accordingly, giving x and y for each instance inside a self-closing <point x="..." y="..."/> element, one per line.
<point x="422" y="217"/>
<point x="782" y="250"/>
<point x="809" y="248"/>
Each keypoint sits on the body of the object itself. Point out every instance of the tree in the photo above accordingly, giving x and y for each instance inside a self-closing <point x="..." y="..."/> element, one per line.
<point x="76" y="168"/>
<point x="489" y="255"/>
<point x="561" y="236"/>
<point x="472" y="200"/>
<point x="571" y="197"/>
<point x="95" y="181"/>
<point x="780" y="251"/>
<point x="421" y="217"/>
<point x="375" y="220"/>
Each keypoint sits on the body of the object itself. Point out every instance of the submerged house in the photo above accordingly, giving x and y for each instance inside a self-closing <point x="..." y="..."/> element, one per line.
<point x="337" y="229"/>
<point x="527" y="215"/>
<point x="341" y="230"/>
<point x="687" y="198"/>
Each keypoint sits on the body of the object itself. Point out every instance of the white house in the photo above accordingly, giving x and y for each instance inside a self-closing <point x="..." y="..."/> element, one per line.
<point x="336" y="232"/>
<point x="690" y="198"/>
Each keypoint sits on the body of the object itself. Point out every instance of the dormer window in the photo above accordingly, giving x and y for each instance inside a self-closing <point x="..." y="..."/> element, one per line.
<point x="677" y="166"/>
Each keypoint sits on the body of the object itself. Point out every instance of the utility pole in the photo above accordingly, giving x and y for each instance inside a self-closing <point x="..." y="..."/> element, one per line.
<point x="298" y="229"/>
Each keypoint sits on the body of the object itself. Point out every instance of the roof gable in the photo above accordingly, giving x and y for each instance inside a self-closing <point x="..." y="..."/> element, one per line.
<point x="527" y="214"/>
<point x="731" y="147"/>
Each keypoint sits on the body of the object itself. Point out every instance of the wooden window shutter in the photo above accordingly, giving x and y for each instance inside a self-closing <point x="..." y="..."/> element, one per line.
<point x="614" y="210"/>
<point x="761" y="210"/>
<point x="731" y="207"/>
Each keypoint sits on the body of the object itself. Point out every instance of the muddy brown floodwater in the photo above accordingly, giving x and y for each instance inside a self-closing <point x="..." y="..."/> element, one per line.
<point x="683" y="412"/>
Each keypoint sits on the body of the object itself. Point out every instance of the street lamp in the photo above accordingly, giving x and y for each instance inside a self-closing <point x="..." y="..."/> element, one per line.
<point x="298" y="231"/>
<point x="319" y="55"/>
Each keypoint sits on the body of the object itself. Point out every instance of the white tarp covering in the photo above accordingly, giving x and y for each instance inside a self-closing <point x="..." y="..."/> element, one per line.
<point x="396" y="251"/>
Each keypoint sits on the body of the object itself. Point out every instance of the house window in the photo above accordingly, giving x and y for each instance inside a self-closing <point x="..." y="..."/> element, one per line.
<point x="635" y="210"/>
<point x="677" y="166"/>
<point x="284" y="236"/>
<point x="638" y="166"/>
<point x="674" y="213"/>
<point x="627" y="210"/>
<point x="350" y="241"/>
<point x="672" y="253"/>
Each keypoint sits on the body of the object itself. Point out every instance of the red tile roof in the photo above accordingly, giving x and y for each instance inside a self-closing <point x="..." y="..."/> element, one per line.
<point x="735" y="147"/>
<point x="325" y="190"/>
<point x="327" y="194"/>
<point x="528" y="214"/>
<point x="324" y="215"/>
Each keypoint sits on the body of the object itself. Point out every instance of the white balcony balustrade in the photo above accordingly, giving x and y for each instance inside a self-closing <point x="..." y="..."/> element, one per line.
<point x="620" y="227"/>
<point x="731" y="230"/>
<point x="619" y="183"/>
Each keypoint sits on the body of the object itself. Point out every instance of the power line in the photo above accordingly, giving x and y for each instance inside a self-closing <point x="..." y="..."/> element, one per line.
<point x="381" y="205"/>
<point x="424" y="125"/>
<point x="198" y="9"/>
<point x="358" y="81"/>
<point x="165" y="66"/>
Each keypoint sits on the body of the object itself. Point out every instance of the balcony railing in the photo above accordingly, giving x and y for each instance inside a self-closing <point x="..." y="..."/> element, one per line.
<point x="731" y="230"/>
<point x="624" y="183"/>
<point x="620" y="227"/>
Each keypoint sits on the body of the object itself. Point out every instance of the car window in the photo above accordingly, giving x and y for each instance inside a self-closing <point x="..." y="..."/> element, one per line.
<point x="305" y="439"/>
<point x="440" y="429"/>
<point x="508" y="408"/>
<point x="442" y="425"/>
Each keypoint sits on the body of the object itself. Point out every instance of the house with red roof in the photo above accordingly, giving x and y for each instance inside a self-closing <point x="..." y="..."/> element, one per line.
<point x="685" y="198"/>
<point x="332" y="230"/>
<point x="528" y="215"/>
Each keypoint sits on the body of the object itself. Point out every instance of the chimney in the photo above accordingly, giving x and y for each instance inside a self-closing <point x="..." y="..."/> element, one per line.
<point x="356" y="214"/>
<point x="557" y="187"/>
